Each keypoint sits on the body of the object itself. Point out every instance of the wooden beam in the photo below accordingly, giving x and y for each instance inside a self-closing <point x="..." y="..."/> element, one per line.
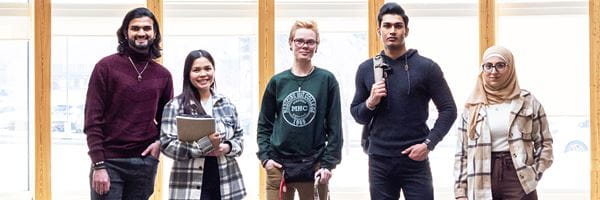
<point x="266" y="63"/>
<point x="375" y="45"/>
<point x="156" y="6"/>
<point x="487" y="25"/>
<point x="594" y="13"/>
<point x="41" y="48"/>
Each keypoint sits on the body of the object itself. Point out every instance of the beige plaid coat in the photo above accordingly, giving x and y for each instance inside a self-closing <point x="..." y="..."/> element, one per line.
<point x="530" y="145"/>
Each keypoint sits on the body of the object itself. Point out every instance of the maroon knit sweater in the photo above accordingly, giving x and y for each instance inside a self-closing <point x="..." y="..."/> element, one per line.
<point x="121" y="114"/>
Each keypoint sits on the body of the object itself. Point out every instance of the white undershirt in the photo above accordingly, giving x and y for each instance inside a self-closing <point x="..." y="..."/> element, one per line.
<point x="208" y="105"/>
<point x="498" y="117"/>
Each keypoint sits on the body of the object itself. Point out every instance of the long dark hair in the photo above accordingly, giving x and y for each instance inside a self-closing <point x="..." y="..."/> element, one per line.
<point x="190" y="93"/>
<point x="122" y="32"/>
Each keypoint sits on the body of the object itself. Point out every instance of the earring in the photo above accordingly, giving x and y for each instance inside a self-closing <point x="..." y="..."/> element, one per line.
<point x="291" y="49"/>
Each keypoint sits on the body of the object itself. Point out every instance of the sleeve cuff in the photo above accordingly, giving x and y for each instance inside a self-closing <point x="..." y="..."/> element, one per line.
<point x="328" y="166"/>
<point x="204" y="145"/>
<point x="371" y="109"/>
<point x="230" y="148"/>
<point x="97" y="156"/>
<point x="460" y="193"/>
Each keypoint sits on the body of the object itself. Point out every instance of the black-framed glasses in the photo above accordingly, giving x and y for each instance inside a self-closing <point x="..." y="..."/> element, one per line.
<point x="489" y="67"/>
<point x="301" y="42"/>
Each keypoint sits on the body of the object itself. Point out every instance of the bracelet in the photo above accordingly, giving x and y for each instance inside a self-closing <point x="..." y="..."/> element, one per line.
<point x="264" y="162"/>
<point x="99" y="165"/>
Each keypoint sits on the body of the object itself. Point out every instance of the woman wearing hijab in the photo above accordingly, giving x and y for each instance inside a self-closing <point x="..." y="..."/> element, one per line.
<point x="504" y="144"/>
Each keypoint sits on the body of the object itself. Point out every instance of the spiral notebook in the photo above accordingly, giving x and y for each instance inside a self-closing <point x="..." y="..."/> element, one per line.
<point x="190" y="129"/>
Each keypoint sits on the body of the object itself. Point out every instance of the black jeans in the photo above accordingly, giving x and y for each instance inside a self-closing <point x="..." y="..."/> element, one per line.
<point x="211" y="181"/>
<point x="389" y="175"/>
<point x="130" y="178"/>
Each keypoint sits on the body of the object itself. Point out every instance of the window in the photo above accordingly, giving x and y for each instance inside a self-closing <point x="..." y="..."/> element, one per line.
<point x="550" y="43"/>
<point x="14" y="100"/>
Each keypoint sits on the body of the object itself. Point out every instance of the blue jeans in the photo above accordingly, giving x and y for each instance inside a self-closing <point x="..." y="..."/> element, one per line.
<point x="389" y="175"/>
<point x="130" y="178"/>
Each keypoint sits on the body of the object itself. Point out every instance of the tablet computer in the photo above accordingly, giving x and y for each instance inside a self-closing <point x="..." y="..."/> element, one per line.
<point x="190" y="129"/>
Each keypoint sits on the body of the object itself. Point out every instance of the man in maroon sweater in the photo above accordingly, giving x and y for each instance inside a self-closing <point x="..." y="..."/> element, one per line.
<point x="125" y="98"/>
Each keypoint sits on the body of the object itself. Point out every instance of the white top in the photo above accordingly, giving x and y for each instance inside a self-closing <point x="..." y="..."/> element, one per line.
<point x="498" y="117"/>
<point x="208" y="105"/>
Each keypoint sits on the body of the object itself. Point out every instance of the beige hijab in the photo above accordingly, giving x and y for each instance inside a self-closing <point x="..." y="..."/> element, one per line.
<point x="485" y="94"/>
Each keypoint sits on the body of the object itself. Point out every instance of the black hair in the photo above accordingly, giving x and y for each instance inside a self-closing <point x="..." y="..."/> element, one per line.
<point x="122" y="32"/>
<point x="394" y="9"/>
<point x="190" y="93"/>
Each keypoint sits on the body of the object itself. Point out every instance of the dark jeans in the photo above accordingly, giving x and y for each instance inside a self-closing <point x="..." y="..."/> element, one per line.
<point x="130" y="178"/>
<point x="505" y="183"/>
<point x="211" y="181"/>
<point x="389" y="175"/>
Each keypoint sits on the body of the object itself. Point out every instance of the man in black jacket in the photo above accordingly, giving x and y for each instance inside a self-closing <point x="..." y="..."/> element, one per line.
<point x="396" y="110"/>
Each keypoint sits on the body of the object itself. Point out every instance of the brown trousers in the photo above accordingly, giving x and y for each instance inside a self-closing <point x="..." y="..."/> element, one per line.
<point x="305" y="189"/>
<point x="505" y="183"/>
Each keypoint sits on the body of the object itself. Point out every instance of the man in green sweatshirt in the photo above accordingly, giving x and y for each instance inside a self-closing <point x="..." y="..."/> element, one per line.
<point x="299" y="126"/>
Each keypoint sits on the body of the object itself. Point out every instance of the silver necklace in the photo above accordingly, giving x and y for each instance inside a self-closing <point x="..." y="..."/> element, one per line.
<point x="139" y="77"/>
<point x="302" y="79"/>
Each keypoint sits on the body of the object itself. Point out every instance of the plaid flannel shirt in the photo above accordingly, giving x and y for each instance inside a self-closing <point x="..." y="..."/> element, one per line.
<point x="186" y="175"/>
<point x="530" y="145"/>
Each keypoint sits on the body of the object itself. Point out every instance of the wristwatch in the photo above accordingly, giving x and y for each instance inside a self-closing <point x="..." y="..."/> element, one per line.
<point x="426" y="142"/>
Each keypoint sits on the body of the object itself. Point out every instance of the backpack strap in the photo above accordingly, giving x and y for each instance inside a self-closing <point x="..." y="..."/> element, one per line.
<point x="377" y="61"/>
<point x="366" y="131"/>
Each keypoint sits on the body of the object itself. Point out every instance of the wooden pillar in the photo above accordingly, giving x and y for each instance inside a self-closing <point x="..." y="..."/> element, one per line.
<point x="156" y="6"/>
<point x="375" y="45"/>
<point x="266" y="62"/>
<point x="487" y="25"/>
<point x="594" y="13"/>
<point x="42" y="69"/>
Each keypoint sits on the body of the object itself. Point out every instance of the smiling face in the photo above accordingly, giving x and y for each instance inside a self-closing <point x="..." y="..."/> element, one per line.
<point x="202" y="74"/>
<point x="392" y="31"/>
<point x="495" y="76"/>
<point x="304" y="44"/>
<point x="140" y="34"/>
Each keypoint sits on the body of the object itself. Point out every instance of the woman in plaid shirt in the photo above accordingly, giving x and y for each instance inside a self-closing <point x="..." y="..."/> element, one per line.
<point x="204" y="169"/>
<point x="504" y="144"/>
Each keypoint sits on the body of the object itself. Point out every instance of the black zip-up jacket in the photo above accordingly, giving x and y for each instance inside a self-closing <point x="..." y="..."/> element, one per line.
<point x="399" y="121"/>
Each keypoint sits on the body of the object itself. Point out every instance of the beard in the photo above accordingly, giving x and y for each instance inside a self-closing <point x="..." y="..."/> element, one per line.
<point x="140" y="47"/>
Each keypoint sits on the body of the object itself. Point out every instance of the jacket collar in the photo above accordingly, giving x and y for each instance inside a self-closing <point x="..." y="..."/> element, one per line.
<point x="216" y="98"/>
<point x="515" y="106"/>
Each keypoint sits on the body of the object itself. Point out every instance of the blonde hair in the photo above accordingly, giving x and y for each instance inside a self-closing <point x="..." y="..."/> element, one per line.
<point x="307" y="24"/>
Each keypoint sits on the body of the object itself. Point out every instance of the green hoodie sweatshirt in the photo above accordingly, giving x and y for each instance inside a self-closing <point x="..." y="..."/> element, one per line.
<point x="300" y="116"/>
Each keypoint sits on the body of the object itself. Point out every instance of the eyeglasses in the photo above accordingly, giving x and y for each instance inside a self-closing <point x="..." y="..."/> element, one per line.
<point x="301" y="42"/>
<point x="489" y="67"/>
